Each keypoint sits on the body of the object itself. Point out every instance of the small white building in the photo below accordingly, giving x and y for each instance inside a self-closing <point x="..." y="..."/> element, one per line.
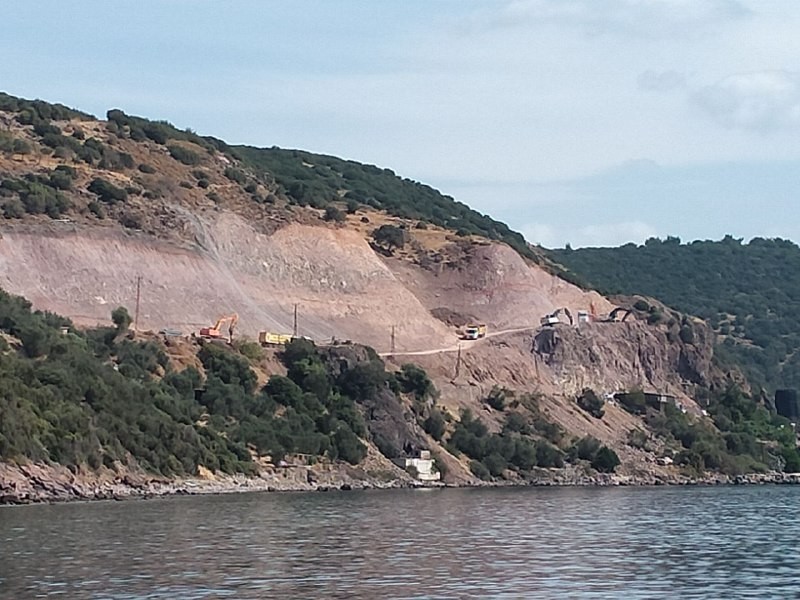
<point x="424" y="466"/>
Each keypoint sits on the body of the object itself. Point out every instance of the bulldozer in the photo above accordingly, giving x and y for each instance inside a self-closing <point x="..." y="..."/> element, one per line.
<point x="214" y="332"/>
<point x="552" y="318"/>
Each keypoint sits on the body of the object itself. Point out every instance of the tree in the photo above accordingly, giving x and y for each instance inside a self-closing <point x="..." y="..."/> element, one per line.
<point x="497" y="398"/>
<point x="591" y="403"/>
<point x="121" y="318"/>
<point x="107" y="192"/>
<point x="414" y="379"/>
<point x="606" y="460"/>
<point x="334" y="214"/>
<point x="434" y="425"/>
<point x="389" y="237"/>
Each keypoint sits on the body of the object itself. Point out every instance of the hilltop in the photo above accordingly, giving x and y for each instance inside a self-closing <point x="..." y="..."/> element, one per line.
<point x="748" y="292"/>
<point x="383" y="273"/>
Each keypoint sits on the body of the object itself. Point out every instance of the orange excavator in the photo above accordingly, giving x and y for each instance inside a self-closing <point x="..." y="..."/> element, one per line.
<point x="214" y="332"/>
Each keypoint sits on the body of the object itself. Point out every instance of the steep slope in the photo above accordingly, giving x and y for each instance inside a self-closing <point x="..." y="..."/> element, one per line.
<point x="750" y="293"/>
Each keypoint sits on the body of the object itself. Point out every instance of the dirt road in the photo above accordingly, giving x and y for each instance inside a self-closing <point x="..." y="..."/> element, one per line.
<point x="465" y="345"/>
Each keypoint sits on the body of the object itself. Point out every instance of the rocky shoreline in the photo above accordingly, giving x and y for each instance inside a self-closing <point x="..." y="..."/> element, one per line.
<point x="38" y="483"/>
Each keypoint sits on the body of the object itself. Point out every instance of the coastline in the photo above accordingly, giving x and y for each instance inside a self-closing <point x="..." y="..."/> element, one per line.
<point x="48" y="484"/>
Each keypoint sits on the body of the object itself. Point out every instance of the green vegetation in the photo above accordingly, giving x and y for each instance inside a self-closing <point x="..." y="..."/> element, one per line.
<point x="97" y="398"/>
<point x="390" y="237"/>
<point x="740" y="436"/>
<point x="591" y="403"/>
<point x="94" y="399"/>
<point x="183" y="154"/>
<point x="749" y="293"/>
<point x="498" y="398"/>
<point x="107" y="191"/>
<point x="40" y="110"/>
<point x="493" y="453"/>
<point x="302" y="178"/>
<point x="601" y="458"/>
<point x="317" y="180"/>
<point x="332" y="213"/>
<point x="35" y="195"/>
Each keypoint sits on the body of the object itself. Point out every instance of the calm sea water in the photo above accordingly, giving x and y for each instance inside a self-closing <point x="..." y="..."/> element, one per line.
<point x="732" y="542"/>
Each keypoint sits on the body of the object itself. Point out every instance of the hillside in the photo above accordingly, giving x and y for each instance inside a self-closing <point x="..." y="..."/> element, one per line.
<point x="749" y="293"/>
<point x="367" y="260"/>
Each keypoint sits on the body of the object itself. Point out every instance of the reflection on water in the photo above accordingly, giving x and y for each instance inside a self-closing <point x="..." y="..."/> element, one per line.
<point x="506" y="543"/>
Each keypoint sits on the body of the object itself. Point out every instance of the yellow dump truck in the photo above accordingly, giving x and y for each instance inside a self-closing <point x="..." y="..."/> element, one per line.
<point x="266" y="338"/>
<point x="474" y="332"/>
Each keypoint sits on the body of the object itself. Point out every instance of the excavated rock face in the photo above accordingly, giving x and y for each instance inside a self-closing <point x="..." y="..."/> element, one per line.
<point x="626" y="355"/>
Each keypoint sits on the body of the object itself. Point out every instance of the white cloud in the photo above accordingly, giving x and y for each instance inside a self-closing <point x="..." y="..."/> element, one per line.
<point x="763" y="101"/>
<point x="605" y="234"/>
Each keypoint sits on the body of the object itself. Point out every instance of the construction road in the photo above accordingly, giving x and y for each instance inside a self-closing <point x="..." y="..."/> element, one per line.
<point x="463" y="344"/>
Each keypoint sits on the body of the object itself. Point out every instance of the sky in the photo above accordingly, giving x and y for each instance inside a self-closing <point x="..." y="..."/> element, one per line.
<point x="581" y="122"/>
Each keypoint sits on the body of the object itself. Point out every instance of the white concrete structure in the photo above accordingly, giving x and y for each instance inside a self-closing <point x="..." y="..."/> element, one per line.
<point x="424" y="466"/>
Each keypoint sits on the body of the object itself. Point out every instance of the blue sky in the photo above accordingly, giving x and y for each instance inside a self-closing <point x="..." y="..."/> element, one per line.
<point x="590" y="122"/>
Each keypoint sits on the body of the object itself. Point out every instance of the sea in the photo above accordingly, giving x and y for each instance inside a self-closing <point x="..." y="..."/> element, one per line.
<point x="569" y="542"/>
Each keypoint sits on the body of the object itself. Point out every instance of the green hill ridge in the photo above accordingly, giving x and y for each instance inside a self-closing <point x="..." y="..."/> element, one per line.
<point x="748" y="292"/>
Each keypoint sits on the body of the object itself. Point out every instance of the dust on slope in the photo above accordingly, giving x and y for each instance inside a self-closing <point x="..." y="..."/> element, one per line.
<point x="343" y="290"/>
<point x="493" y="283"/>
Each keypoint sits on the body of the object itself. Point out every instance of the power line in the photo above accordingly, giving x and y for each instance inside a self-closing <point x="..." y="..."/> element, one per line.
<point x="136" y="311"/>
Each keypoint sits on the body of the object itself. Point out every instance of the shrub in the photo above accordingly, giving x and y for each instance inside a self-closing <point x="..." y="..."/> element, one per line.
<point x="479" y="469"/>
<point x="591" y="403"/>
<point x="121" y="318"/>
<point x="107" y="191"/>
<point x="495" y="464"/>
<point x="497" y="398"/>
<point x="606" y="460"/>
<point x="585" y="448"/>
<point x="60" y="180"/>
<point x="414" y="380"/>
<point x="334" y="214"/>
<point x="236" y="175"/>
<point x="21" y="147"/>
<point x="183" y="154"/>
<point x="548" y="455"/>
<point x="389" y="237"/>
<point x="435" y="425"/>
<point x="347" y="446"/>
<point x="145" y="168"/>
<point x="97" y="209"/>
<point x="13" y="209"/>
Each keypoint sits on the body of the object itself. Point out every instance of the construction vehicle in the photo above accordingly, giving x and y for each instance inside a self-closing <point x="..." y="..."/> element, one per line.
<point x="552" y="318"/>
<point x="266" y="338"/>
<point x="475" y="332"/>
<point x="214" y="333"/>
<point x="612" y="316"/>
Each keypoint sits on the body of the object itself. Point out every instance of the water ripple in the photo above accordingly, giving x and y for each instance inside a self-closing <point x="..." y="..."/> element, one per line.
<point x="501" y="543"/>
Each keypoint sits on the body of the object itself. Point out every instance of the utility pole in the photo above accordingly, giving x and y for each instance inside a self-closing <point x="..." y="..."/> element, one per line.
<point x="136" y="311"/>
<point x="393" y="339"/>
<point x="294" y="327"/>
<point x="458" y="362"/>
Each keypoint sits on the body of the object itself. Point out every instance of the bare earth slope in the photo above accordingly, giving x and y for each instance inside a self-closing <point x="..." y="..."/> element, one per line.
<point x="341" y="287"/>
